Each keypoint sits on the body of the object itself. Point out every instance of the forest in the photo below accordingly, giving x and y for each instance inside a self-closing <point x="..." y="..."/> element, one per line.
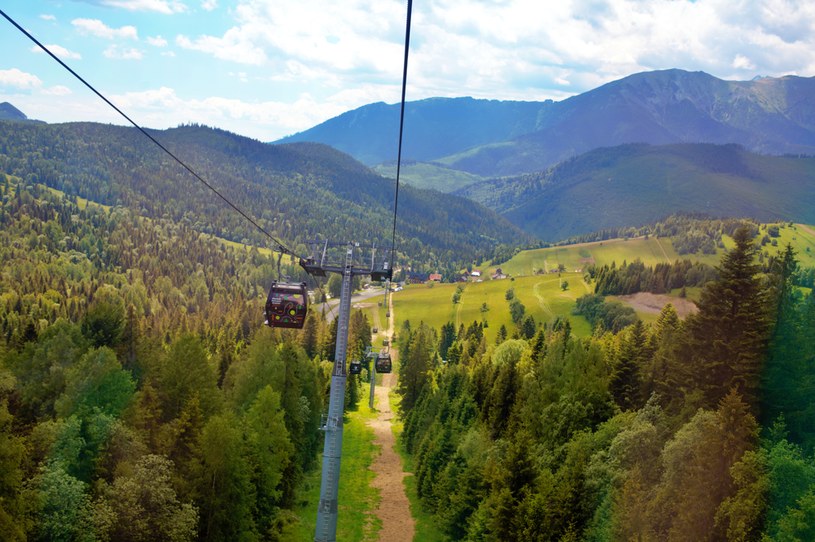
<point x="293" y="190"/>
<point x="696" y="429"/>
<point x="140" y="396"/>
<point x="141" y="399"/>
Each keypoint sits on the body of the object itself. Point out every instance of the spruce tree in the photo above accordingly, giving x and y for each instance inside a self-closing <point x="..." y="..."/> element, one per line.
<point x="626" y="376"/>
<point x="786" y="366"/>
<point x="728" y="336"/>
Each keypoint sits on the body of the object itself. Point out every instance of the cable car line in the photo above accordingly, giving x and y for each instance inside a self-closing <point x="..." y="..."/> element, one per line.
<point x="287" y="303"/>
<point x="401" y="130"/>
<point x="280" y="246"/>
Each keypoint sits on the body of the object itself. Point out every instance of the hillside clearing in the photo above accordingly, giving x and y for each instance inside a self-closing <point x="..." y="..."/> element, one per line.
<point x="645" y="302"/>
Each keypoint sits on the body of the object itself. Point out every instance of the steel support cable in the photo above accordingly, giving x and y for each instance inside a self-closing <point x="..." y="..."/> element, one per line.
<point x="401" y="130"/>
<point x="280" y="246"/>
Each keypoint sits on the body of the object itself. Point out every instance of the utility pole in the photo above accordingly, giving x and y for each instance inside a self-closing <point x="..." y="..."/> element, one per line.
<point x="332" y="449"/>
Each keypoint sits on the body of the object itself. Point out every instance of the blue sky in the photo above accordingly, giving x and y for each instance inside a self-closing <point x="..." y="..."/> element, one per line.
<point x="269" y="68"/>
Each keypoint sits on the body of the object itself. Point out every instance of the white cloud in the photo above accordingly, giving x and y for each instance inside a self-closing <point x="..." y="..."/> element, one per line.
<point x="99" y="29"/>
<point x="59" y="51"/>
<point x="234" y="46"/>
<point x="57" y="90"/>
<point x="349" y="53"/>
<point x="161" y="6"/>
<point x="19" y="79"/>
<point x="47" y="17"/>
<point x="157" y="41"/>
<point x="243" y="77"/>
<point x="506" y="49"/>
<point x="122" y="53"/>
<point x="741" y="62"/>
<point x="266" y="121"/>
<point x="500" y="49"/>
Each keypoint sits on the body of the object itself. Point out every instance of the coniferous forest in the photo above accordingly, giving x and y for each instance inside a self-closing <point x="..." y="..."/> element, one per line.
<point x="682" y="430"/>
<point x="140" y="398"/>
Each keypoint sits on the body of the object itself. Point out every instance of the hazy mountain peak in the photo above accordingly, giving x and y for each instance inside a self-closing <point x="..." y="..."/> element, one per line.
<point x="9" y="112"/>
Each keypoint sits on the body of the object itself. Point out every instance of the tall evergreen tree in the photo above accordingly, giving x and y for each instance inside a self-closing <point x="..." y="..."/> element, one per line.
<point x="787" y="371"/>
<point x="626" y="376"/>
<point x="415" y="362"/>
<point x="729" y="334"/>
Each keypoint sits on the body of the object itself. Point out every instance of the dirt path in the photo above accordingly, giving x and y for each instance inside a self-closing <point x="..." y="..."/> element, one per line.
<point x="541" y="301"/>
<point x="665" y="254"/>
<point x="806" y="229"/>
<point x="394" y="508"/>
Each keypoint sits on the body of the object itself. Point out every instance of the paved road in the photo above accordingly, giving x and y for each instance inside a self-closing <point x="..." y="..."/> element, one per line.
<point x="359" y="297"/>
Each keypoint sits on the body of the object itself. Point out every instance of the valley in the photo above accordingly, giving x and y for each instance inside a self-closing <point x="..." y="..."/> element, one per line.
<point x="576" y="330"/>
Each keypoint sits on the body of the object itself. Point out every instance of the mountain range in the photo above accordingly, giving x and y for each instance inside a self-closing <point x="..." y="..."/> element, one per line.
<point x="494" y="138"/>
<point x="625" y="154"/>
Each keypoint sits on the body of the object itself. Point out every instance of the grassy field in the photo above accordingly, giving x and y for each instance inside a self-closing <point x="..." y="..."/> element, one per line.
<point x="650" y="251"/>
<point x="541" y="295"/>
<point x="82" y="203"/>
<point x="424" y="175"/>
<point x="240" y="246"/>
<point x="573" y="257"/>
<point x="802" y="239"/>
<point x="355" y="518"/>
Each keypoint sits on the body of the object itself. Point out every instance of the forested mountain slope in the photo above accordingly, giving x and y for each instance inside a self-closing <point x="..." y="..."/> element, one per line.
<point x="696" y="429"/>
<point x="295" y="191"/>
<point x="638" y="184"/>
<point x="140" y="395"/>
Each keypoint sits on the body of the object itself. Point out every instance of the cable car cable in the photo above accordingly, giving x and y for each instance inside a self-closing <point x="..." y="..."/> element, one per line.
<point x="281" y="247"/>
<point x="401" y="130"/>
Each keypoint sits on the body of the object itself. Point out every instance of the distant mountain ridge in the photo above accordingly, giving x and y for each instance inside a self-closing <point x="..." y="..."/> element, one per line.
<point x="636" y="184"/>
<point x="434" y="128"/>
<point x="494" y="138"/>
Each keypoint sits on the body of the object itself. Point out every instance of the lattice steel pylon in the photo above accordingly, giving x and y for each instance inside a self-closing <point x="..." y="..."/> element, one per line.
<point x="326" y="530"/>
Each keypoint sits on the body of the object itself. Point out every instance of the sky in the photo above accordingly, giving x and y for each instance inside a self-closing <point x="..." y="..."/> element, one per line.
<point x="270" y="68"/>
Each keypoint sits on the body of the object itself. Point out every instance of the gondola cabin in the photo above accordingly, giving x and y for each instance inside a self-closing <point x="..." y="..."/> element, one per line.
<point x="355" y="367"/>
<point x="286" y="305"/>
<point x="383" y="363"/>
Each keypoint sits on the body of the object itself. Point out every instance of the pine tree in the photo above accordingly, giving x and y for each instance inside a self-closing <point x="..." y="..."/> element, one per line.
<point x="786" y="361"/>
<point x="502" y="334"/>
<point x="729" y="334"/>
<point x="626" y="377"/>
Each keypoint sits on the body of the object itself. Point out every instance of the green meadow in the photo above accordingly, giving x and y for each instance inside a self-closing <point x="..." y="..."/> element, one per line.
<point x="538" y="287"/>
<point x="802" y="239"/>
<point x="650" y="251"/>
<point x="542" y="296"/>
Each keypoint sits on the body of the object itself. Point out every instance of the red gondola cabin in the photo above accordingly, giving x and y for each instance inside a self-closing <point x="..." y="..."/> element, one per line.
<point x="287" y="305"/>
